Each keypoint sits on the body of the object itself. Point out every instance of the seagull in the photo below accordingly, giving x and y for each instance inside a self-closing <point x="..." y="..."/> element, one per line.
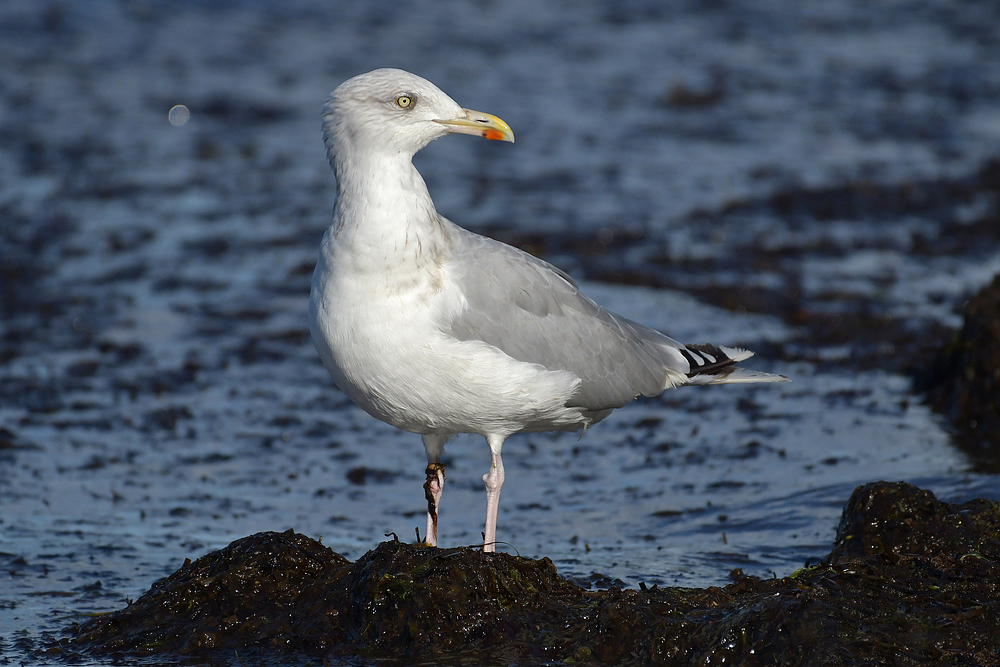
<point x="440" y="331"/>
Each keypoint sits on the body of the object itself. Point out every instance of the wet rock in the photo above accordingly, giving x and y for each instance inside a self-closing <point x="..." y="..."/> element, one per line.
<point x="964" y="382"/>
<point x="911" y="580"/>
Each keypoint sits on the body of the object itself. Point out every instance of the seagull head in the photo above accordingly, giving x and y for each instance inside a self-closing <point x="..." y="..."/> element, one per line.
<point x="394" y="112"/>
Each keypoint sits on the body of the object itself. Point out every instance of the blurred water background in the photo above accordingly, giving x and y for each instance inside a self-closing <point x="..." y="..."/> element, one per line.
<point x="815" y="181"/>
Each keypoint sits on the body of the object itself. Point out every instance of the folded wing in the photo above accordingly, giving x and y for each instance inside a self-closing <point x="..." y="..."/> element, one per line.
<point x="535" y="313"/>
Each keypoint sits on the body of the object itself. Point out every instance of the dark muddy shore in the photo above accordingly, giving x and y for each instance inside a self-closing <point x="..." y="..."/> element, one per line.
<point x="910" y="581"/>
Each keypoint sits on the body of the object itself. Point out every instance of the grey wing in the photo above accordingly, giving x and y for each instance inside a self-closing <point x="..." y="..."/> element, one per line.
<point x="535" y="313"/>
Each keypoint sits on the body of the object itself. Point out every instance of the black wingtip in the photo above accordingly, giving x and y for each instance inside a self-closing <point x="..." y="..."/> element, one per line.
<point x="706" y="359"/>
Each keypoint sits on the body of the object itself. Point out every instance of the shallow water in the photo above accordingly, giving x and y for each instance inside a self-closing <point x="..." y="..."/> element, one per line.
<point x="806" y="181"/>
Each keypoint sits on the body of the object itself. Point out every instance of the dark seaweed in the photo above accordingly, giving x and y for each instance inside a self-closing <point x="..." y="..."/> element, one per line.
<point x="911" y="580"/>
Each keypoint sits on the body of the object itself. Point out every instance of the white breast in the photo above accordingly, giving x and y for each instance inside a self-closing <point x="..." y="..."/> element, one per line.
<point x="381" y="336"/>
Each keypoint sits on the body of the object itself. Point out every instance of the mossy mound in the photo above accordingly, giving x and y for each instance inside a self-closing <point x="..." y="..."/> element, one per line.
<point x="910" y="581"/>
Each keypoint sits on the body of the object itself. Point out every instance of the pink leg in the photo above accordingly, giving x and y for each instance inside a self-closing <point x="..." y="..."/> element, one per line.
<point x="434" y="486"/>
<point x="494" y="482"/>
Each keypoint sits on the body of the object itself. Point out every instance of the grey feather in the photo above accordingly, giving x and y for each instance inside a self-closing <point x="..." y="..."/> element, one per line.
<point x="535" y="313"/>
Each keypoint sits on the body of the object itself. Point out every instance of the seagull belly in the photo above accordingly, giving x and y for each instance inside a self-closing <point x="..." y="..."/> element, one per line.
<point x="387" y="351"/>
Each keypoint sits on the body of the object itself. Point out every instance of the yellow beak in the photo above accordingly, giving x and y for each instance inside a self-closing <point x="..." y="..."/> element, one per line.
<point x="480" y="124"/>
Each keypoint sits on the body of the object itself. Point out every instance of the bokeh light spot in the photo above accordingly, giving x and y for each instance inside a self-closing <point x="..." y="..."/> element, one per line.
<point x="178" y="115"/>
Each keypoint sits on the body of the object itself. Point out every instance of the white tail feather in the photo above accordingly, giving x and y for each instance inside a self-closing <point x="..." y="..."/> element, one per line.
<point x="736" y="353"/>
<point x="735" y="376"/>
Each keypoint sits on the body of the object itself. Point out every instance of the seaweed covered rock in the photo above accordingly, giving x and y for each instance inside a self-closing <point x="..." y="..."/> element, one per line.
<point x="261" y="590"/>
<point x="911" y="581"/>
<point x="899" y="521"/>
<point x="964" y="383"/>
<point x="286" y="592"/>
<point x="413" y="600"/>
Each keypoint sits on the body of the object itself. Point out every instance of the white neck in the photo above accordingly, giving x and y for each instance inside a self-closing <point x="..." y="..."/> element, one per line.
<point x="384" y="214"/>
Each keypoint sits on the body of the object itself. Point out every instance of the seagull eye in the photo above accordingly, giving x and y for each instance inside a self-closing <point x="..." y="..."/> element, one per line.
<point x="404" y="101"/>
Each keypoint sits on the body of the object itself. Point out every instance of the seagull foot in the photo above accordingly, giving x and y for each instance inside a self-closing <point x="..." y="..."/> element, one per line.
<point x="433" y="489"/>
